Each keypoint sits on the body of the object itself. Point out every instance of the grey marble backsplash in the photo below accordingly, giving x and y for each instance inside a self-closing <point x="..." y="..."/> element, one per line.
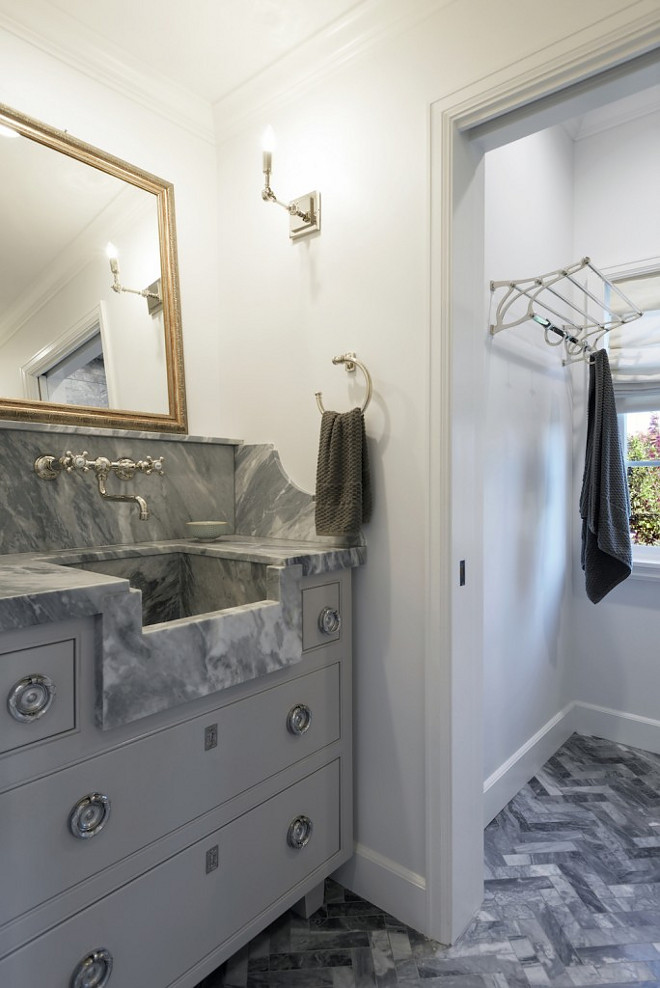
<point x="204" y="479"/>
<point x="270" y="505"/>
<point x="69" y="512"/>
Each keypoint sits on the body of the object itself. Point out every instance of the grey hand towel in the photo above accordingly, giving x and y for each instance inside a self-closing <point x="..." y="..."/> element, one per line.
<point x="343" y="484"/>
<point x="604" y="501"/>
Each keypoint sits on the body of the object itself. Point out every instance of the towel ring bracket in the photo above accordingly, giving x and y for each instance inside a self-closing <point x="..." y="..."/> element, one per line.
<point x="350" y="362"/>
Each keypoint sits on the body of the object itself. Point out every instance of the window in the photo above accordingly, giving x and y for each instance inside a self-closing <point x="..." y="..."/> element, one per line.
<point x="641" y="432"/>
<point x="77" y="378"/>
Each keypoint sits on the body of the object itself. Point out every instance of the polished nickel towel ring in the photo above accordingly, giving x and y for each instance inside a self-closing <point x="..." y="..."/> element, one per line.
<point x="351" y="362"/>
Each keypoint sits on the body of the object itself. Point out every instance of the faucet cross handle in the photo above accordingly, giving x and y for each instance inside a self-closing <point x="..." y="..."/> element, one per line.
<point x="75" y="461"/>
<point x="149" y="465"/>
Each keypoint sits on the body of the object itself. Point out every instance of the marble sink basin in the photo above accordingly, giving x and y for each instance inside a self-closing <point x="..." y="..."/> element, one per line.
<point x="181" y="584"/>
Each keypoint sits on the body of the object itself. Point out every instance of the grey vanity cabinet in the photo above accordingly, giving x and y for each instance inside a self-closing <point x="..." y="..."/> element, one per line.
<point x="149" y="853"/>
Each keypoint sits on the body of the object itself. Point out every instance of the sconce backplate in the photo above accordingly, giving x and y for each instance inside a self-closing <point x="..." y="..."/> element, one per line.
<point x="310" y="203"/>
<point x="154" y="305"/>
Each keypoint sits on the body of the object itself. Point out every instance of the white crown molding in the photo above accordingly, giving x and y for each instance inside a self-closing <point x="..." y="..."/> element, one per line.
<point x="371" y="23"/>
<point x="65" y="39"/>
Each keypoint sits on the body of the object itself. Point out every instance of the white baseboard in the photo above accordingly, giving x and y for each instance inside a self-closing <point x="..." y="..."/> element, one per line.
<point x="585" y="718"/>
<point x="503" y="784"/>
<point x="617" y="725"/>
<point x="397" y="890"/>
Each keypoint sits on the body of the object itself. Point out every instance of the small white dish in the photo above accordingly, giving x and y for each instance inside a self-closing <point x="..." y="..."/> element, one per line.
<point x="206" y="530"/>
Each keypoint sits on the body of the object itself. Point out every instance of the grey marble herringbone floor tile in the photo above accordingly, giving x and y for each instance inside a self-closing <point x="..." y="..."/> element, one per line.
<point x="572" y="897"/>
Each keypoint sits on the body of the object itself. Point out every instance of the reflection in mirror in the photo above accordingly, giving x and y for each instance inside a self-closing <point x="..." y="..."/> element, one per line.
<point x="86" y="338"/>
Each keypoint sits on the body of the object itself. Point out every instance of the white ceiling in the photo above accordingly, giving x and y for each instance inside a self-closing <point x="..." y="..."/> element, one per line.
<point x="208" y="47"/>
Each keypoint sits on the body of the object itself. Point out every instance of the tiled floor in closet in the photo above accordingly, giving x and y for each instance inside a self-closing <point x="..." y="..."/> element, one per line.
<point x="572" y="897"/>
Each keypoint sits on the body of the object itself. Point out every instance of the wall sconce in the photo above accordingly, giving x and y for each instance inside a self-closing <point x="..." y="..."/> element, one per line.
<point x="304" y="212"/>
<point x="151" y="292"/>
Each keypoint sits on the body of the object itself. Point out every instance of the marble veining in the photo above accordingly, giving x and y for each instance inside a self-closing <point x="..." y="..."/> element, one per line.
<point x="34" y="592"/>
<point x="128" y="434"/>
<point x="147" y="670"/>
<point x="40" y="515"/>
<point x="181" y="584"/>
<point x="268" y="503"/>
<point x="141" y="670"/>
<point x="572" y="897"/>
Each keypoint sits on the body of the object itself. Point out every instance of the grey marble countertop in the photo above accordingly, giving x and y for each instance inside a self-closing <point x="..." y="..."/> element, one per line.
<point x="197" y="654"/>
<point x="44" y="586"/>
<point x="313" y="557"/>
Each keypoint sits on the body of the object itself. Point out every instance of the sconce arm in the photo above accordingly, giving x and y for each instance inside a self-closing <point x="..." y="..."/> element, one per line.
<point x="268" y="195"/>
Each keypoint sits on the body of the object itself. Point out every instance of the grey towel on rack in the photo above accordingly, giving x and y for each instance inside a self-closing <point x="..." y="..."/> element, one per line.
<point x="604" y="501"/>
<point x="343" y="484"/>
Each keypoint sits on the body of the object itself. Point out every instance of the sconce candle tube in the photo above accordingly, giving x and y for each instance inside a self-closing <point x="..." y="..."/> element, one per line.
<point x="267" y="144"/>
<point x="310" y="216"/>
<point x="117" y="286"/>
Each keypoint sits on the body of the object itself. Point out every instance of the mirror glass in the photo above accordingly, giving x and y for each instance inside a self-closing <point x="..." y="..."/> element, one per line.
<point x="90" y="329"/>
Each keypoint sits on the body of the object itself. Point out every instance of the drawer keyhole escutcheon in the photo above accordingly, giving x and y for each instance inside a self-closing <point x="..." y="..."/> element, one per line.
<point x="299" y="719"/>
<point x="88" y="818"/>
<point x="210" y="737"/>
<point x="212" y="859"/>
<point x="329" y="621"/>
<point x="30" y="698"/>
<point x="93" y="971"/>
<point x="299" y="832"/>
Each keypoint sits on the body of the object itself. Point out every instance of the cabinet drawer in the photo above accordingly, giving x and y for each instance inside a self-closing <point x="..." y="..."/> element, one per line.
<point x="153" y="786"/>
<point x="160" y="925"/>
<point x="321" y="615"/>
<point x="37" y="698"/>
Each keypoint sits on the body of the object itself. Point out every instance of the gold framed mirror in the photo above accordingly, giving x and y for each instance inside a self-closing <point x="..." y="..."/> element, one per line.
<point x="90" y="320"/>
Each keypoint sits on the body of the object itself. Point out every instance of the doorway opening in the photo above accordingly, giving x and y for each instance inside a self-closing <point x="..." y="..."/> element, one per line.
<point x="463" y="135"/>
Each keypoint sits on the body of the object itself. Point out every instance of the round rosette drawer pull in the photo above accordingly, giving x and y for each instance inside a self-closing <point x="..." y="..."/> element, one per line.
<point x="30" y="698"/>
<point x="299" y="832"/>
<point x="329" y="621"/>
<point x="299" y="719"/>
<point x="93" y="971"/>
<point x="89" y="816"/>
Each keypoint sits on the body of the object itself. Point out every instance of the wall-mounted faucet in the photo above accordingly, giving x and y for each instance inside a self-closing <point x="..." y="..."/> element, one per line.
<point x="50" y="467"/>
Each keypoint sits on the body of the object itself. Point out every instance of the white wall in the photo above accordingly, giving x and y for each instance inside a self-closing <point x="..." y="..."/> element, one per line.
<point x="617" y="219"/>
<point x="527" y="456"/>
<point x="361" y="135"/>
<point x="40" y="85"/>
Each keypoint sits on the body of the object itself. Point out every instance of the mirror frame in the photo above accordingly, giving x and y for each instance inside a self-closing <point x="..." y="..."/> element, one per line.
<point x="111" y="418"/>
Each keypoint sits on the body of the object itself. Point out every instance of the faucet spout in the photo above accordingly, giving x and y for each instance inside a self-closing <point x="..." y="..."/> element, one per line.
<point x="140" y="501"/>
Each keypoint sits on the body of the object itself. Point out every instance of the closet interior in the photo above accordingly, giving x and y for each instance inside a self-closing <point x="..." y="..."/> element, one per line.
<point x="555" y="663"/>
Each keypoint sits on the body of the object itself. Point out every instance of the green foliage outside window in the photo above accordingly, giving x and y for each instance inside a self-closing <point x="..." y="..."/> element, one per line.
<point x="644" y="484"/>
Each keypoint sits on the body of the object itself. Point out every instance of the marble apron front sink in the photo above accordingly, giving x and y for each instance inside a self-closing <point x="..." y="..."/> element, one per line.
<point x="179" y="622"/>
<point x="181" y="584"/>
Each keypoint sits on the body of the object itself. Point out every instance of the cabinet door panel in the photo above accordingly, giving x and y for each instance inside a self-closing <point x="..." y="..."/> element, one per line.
<point x="160" y="925"/>
<point x="50" y="710"/>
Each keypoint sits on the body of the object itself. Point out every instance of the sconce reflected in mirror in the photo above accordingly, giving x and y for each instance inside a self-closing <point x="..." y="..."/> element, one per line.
<point x="305" y="211"/>
<point x="151" y="292"/>
<point x="73" y="351"/>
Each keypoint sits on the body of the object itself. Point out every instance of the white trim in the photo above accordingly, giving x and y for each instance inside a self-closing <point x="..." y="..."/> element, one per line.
<point x="646" y="565"/>
<point x="618" y="725"/>
<point x="576" y="717"/>
<point x="503" y="784"/>
<point x="383" y="881"/>
<point x="67" y="40"/>
<point x="595" y="49"/>
<point x="64" y="344"/>
<point x="347" y="38"/>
